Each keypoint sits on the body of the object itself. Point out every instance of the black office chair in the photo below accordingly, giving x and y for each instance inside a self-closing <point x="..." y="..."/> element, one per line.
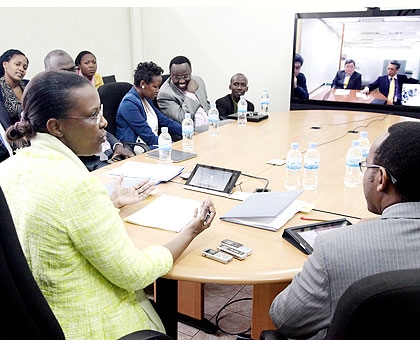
<point x="109" y="79"/>
<point x="26" y="314"/>
<point x="111" y="95"/>
<point x="381" y="306"/>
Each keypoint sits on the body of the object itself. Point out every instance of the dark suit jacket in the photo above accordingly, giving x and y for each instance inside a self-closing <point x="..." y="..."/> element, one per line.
<point x="355" y="82"/>
<point x="382" y="83"/>
<point x="5" y="122"/>
<point x="225" y="106"/>
<point x="301" y="91"/>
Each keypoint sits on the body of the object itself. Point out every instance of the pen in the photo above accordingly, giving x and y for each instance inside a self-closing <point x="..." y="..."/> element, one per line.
<point x="207" y="217"/>
<point x="313" y="219"/>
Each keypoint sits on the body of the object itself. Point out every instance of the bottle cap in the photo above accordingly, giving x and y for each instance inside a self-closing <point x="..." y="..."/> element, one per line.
<point x="295" y="146"/>
<point x="164" y="129"/>
<point x="213" y="106"/>
<point x="187" y="115"/>
<point x="355" y="143"/>
<point x="363" y="134"/>
<point x="242" y="97"/>
<point x="313" y="145"/>
<point x="265" y="91"/>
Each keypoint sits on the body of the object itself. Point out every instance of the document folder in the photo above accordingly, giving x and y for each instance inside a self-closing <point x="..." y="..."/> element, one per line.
<point x="266" y="210"/>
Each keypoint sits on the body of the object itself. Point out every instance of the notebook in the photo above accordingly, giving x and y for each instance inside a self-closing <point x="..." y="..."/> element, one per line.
<point x="250" y="116"/>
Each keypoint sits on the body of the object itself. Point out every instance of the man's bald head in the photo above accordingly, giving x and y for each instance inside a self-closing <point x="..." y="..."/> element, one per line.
<point x="59" y="60"/>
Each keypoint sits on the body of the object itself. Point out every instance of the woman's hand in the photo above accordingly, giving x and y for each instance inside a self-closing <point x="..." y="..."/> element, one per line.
<point x="122" y="196"/>
<point x="202" y="220"/>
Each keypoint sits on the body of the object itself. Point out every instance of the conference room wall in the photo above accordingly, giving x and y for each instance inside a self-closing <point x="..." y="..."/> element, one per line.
<point x="104" y="31"/>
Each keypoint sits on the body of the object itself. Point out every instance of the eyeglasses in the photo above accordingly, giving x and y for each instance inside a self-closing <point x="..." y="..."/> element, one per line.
<point x="95" y="117"/>
<point x="183" y="76"/>
<point x="364" y="165"/>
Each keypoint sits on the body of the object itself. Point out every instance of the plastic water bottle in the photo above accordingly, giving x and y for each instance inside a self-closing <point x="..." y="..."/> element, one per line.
<point x="311" y="166"/>
<point x="165" y="146"/>
<point x="187" y="133"/>
<point x="293" y="167"/>
<point x="353" y="158"/>
<point x="213" y="120"/>
<point x="265" y="101"/>
<point x="242" y="108"/>
<point x="364" y="144"/>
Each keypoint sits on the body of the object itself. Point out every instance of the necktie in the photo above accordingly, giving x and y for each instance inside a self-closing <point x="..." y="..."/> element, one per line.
<point x="391" y="92"/>
<point x="346" y="81"/>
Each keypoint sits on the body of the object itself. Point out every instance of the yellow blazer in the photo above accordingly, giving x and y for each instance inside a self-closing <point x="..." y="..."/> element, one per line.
<point x="76" y="245"/>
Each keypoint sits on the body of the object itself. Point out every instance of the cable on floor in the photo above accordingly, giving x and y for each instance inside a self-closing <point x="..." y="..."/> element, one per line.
<point x="240" y="334"/>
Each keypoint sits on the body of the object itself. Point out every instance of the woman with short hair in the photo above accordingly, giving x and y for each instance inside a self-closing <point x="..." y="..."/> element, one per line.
<point x="138" y="119"/>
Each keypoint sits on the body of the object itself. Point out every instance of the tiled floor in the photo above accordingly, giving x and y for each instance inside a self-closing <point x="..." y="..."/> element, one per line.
<point x="235" y="318"/>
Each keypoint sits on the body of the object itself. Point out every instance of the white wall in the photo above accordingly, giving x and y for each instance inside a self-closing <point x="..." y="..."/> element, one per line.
<point x="37" y="31"/>
<point x="256" y="40"/>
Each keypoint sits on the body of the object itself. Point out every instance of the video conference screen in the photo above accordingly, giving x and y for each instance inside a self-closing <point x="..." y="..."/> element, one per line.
<point x="345" y="53"/>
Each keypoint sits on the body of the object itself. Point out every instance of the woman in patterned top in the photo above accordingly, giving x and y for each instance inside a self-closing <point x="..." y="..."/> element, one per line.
<point x="13" y="65"/>
<point x="73" y="238"/>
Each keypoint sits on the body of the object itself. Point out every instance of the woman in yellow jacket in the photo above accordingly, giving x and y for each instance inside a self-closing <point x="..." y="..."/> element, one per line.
<point x="73" y="238"/>
<point x="86" y="62"/>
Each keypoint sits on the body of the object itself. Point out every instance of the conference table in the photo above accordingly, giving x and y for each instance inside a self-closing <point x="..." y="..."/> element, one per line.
<point x="353" y="96"/>
<point x="274" y="261"/>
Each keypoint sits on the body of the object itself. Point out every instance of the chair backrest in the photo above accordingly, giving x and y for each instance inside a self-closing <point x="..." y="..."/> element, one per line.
<point x="111" y="95"/>
<point x="109" y="79"/>
<point x="381" y="306"/>
<point x="26" y="314"/>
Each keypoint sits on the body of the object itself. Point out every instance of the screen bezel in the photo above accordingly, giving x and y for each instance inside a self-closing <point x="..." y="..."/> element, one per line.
<point x="293" y="231"/>
<point x="312" y="104"/>
<point x="229" y="185"/>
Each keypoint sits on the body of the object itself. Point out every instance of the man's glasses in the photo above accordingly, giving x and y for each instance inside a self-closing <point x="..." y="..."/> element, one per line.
<point x="365" y="165"/>
<point x="95" y="117"/>
<point x="183" y="76"/>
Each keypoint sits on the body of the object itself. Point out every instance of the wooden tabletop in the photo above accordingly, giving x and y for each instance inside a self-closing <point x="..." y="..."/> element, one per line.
<point x="330" y="95"/>
<point x="247" y="149"/>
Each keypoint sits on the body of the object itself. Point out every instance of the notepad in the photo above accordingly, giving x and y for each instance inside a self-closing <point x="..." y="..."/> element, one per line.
<point x="166" y="212"/>
<point x="156" y="172"/>
<point x="266" y="210"/>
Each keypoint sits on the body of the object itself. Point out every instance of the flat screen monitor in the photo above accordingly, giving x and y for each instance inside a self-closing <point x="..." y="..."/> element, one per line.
<point x="371" y="39"/>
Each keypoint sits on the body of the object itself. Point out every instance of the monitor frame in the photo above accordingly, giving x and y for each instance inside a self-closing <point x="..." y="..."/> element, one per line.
<point x="311" y="104"/>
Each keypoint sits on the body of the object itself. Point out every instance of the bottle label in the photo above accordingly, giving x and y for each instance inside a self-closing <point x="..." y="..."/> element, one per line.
<point x="312" y="166"/>
<point x="187" y="129"/>
<point x="165" y="146"/>
<point x="241" y="109"/>
<point x="213" y="119"/>
<point x="353" y="162"/>
<point x="365" y="152"/>
<point x="294" y="166"/>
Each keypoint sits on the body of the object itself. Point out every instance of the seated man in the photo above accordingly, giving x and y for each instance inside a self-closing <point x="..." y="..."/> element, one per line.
<point x="229" y="103"/>
<point x="183" y="93"/>
<point x="345" y="255"/>
<point x="60" y="60"/>
<point x="348" y="78"/>
<point x="391" y="84"/>
<point x="299" y="90"/>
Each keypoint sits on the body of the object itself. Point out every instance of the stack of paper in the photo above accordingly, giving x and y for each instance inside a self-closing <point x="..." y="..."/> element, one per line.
<point x="156" y="172"/>
<point x="266" y="210"/>
<point x="166" y="212"/>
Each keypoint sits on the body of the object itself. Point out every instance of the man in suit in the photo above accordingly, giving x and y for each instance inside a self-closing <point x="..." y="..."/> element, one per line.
<point x="60" y="60"/>
<point x="299" y="85"/>
<point x="391" y="84"/>
<point x="345" y="255"/>
<point x="348" y="78"/>
<point x="229" y="103"/>
<point x="183" y="93"/>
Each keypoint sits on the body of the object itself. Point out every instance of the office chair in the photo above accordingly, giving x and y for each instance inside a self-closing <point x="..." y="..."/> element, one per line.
<point x="109" y="79"/>
<point x="26" y="314"/>
<point x="111" y="95"/>
<point x="381" y="306"/>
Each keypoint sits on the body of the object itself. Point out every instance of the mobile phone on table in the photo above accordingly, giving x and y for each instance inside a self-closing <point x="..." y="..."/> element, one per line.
<point x="238" y="246"/>
<point x="217" y="255"/>
<point x="237" y="254"/>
